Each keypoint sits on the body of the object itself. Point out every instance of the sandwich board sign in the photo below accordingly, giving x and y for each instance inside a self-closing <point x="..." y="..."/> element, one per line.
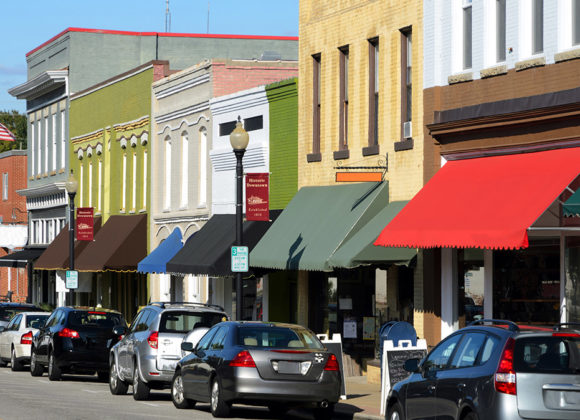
<point x="394" y="359"/>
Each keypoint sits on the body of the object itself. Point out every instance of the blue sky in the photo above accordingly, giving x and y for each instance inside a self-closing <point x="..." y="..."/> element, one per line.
<point x="28" y="23"/>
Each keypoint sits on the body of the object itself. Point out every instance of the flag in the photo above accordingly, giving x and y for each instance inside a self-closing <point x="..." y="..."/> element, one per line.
<point x="5" y="134"/>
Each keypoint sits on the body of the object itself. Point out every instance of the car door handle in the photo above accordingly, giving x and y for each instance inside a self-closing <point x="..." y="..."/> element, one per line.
<point x="431" y="388"/>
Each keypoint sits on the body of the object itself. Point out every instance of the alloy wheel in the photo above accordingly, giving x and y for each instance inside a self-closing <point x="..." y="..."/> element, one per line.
<point x="395" y="416"/>
<point x="13" y="358"/>
<point x="178" y="390"/>
<point x="113" y="377"/>
<point x="33" y="361"/>
<point x="215" y="394"/>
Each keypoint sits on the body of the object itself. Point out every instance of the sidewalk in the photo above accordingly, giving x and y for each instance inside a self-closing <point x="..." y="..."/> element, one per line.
<point x="363" y="401"/>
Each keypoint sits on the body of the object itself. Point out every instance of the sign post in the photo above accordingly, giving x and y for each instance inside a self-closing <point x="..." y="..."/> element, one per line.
<point x="240" y="259"/>
<point x="72" y="279"/>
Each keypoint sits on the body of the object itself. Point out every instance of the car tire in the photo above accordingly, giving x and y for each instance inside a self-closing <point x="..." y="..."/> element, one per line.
<point x="395" y="412"/>
<point x="219" y="408"/>
<point x="54" y="372"/>
<point x="324" y="413"/>
<point x="470" y="416"/>
<point x="116" y="384"/>
<point x="103" y="375"/>
<point x="3" y="363"/>
<point x="140" y="389"/>
<point x="15" y="365"/>
<point x="278" y="410"/>
<point x="178" y="393"/>
<point x="36" y="368"/>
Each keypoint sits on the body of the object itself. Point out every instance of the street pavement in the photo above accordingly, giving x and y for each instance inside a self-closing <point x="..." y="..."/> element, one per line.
<point x="84" y="397"/>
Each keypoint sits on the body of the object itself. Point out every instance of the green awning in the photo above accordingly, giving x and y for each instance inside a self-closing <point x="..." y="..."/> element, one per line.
<point x="319" y="221"/>
<point x="571" y="207"/>
<point x="359" y="249"/>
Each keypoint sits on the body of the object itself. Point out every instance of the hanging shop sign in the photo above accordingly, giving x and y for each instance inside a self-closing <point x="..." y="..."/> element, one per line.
<point x="257" y="197"/>
<point x="85" y="223"/>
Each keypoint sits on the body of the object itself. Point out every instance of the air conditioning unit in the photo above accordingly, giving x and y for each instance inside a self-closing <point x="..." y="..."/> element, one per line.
<point x="407" y="130"/>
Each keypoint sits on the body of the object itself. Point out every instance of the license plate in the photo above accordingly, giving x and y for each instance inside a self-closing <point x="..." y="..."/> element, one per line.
<point x="291" y="368"/>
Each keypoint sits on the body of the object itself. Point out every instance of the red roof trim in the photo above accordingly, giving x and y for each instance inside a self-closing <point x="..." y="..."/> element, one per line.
<point x="165" y="34"/>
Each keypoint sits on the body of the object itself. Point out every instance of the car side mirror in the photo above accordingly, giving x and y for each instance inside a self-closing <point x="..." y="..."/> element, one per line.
<point x="412" y="365"/>
<point x="186" y="346"/>
<point x="120" y="330"/>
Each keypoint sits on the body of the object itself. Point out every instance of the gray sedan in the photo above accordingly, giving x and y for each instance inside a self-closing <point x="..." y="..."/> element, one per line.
<point x="269" y="364"/>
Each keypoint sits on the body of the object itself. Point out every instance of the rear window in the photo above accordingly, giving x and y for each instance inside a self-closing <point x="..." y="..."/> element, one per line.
<point x="36" y="321"/>
<point x="6" y="314"/>
<point x="96" y="318"/>
<point x="550" y="354"/>
<point x="278" y="337"/>
<point x="185" y="321"/>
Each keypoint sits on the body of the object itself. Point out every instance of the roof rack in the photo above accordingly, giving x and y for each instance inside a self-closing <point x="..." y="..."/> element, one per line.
<point x="512" y="326"/>
<point x="168" y="304"/>
<point x="561" y="325"/>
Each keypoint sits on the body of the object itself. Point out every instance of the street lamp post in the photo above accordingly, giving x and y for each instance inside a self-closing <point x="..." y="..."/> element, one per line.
<point x="239" y="140"/>
<point x="71" y="186"/>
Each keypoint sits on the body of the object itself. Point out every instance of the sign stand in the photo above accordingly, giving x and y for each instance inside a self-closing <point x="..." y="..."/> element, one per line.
<point x="335" y="346"/>
<point x="394" y="359"/>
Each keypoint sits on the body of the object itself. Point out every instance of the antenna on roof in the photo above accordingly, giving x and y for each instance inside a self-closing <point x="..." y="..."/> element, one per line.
<point x="167" y="17"/>
<point x="208" y="16"/>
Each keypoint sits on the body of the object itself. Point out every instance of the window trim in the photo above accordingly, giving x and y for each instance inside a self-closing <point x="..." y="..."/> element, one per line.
<point x="374" y="99"/>
<point x="316" y="156"/>
<point x="405" y="143"/>
<point x="343" y="97"/>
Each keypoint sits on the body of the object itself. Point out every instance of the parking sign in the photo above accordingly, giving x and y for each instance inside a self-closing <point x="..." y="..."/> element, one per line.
<point x="240" y="259"/>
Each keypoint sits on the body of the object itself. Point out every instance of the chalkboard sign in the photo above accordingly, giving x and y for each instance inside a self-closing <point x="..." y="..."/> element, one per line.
<point x="394" y="359"/>
<point x="335" y="346"/>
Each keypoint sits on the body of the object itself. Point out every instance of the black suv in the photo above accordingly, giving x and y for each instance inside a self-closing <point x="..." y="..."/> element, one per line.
<point x="75" y="340"/>
<point x="9" y="309"/>
<point x="494" y="369"/>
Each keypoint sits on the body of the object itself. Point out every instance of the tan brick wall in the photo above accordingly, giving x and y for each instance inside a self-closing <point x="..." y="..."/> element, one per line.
<point x="326" y="25"/>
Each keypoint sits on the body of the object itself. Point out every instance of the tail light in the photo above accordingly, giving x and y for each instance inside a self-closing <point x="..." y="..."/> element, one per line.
<point x="505" y="376"/>
<point x="569" y="335"/>
<point x="26" y="338"/>
<point x="68" y="333"/>
<point x="153" y="340"/>
<point x="243" y="359"/>
<point x="332" y="363"/>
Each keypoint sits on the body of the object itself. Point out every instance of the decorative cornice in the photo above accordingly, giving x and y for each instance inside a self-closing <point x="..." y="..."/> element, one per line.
<point x="88" y="137"/>
<point x="51" y="188"/>
<point x="132" y="125"/>
<point x="188" y="84"/>
<point x="39" y="85"/>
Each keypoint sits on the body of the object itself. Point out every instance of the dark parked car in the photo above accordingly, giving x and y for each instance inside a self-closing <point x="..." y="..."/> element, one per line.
<point x="75" y="340"/>
<point x="9" y="309"/>
<point x="269" y="364"/>
<point x="494" y="369"/>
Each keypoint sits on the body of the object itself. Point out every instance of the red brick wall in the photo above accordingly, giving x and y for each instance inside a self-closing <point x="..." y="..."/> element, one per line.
<point x="15" y="167"/>
<point x="231" y="76"/>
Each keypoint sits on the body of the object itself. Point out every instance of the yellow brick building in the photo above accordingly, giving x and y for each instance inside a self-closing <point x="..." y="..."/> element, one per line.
<point x="342" y="44"/>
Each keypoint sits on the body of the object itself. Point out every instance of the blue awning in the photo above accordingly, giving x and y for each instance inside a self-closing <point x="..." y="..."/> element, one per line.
<point x="156" y="261"/>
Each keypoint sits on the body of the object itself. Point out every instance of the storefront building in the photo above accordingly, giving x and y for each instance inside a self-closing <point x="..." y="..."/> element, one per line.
<point x="502" y="114"/>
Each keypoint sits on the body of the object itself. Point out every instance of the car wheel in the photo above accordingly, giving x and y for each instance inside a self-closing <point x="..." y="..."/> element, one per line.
<point x="54" y="373"/>
<point x="219" y="408"/>
<point x="395" y="412"/>
<point x="36" y="368"/>
<point x="325" y="413"/>
<point x="470" y="416"/>
<point x="178" y="394"/>
<point x="140" y="389"/>
<point x="103" y="375"/>
<point x="278" y="410"/>
<point x="116" y="385"/>
<point x="15" y="365"/>
<point x="3" y="363"/>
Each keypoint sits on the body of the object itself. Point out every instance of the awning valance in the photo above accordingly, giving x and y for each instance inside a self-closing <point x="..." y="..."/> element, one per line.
<point x="322" y="228"/>
<point x="208" y="251"/>
<point x="118" y="246"/>
<point x="156" y="261"/>
<point x="21" y="258"/>
<point x="56" y="256"/>
<point x="487" y="202"/>
<point x="571" y="208"/>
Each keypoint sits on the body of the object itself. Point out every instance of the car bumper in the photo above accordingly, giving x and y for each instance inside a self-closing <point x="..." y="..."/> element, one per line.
<point x="83" y="360"/>
<point x="150" y="373"/>
<point x="246" y="385"/>
<point x="503" y="407"/>
<point x="22" y="352"/>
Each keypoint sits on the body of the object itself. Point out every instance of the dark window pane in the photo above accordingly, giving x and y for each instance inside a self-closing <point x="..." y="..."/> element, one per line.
<point x="575" y="22"/>
<point x="538" y="27"/>
<point x="227" y="128"/>
<point x="182" y="322"/>
<point x="254" y="123"/>
<point x="466" y="354"/>
<point x="547" y="354"/>
<point x="277" y="337"/>
<point x="500" y="36"/>
<point x="467" y="38"/>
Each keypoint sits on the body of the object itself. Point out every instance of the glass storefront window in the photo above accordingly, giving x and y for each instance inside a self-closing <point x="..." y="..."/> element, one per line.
<point x="470" y="287"/>
<point x="526" y="283"/>
<point x="572" y="264"/>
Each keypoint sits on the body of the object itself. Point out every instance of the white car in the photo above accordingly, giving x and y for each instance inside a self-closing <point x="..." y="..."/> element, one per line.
<point x="16" y="338"/>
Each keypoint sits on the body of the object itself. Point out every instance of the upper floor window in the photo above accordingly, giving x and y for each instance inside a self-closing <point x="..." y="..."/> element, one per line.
<point x="537" y="26"/>
<point x="500" y="25"/>
<point x="575" y="22"/>
<point x="343" y="112"/>
<point x="184" y="169"/>
<point x="167" y="186"/>
<point x="467" y="31"/>
<point x="373" y="92"/>
<point x="5" y="186"/>
<point x="406" y="83"/>
<point x="316" y="83"/>
<point x="202" y="187"/>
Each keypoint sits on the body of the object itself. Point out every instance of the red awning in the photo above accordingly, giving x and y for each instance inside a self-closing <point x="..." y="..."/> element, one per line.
<point x="485" y="202"/>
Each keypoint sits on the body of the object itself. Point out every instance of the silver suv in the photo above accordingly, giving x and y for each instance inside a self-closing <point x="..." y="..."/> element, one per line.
<point x="150" y="348"/>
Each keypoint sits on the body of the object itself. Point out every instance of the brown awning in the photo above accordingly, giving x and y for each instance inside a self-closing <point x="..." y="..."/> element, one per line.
<point x="56" y="256"/>
<point x="118" y="246"/>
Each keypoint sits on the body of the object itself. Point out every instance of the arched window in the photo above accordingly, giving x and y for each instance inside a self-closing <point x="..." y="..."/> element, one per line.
<point x="202" y="178"/>
<point x="184" y="169"/>
<point x="167" y="186"/>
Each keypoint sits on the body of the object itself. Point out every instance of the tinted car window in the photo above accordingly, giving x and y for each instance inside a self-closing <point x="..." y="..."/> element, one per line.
<point x="184" y="321"/>
<point x="90" y="318"/>
<point x="549" y="354"/>
<point x="277" y="337"/>
<point x="10" y="325"/>
<point x="440" y="355"/>
<point x="203" y="344"/>
<point x="17" y="321"/>
<point x="491" y="344"/>
<point x="35" y="321"/>
<point x="142" y="321"/>
<point x="466" y="354"/>
<point x="137" y="320"/>
<point x="217" y="343"/>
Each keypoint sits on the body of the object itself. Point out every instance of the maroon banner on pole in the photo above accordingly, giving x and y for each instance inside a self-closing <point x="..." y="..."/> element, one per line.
<point x="257" y="197"/>
<point x="84" y="224"/>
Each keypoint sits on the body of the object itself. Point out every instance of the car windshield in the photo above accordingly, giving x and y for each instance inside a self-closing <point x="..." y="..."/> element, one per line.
<point x="185" y="321"/>
<point x="549" y="354"/>
<point x="35" y="321"/>
<point x="7" y="313"/>
<point x="277" y="337"/>
<point x="95" y="318"/>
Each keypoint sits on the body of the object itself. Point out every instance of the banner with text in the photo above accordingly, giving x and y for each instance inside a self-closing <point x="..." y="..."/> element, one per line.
<point x="84" y="224"/>
<point x="257" y="197"/>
